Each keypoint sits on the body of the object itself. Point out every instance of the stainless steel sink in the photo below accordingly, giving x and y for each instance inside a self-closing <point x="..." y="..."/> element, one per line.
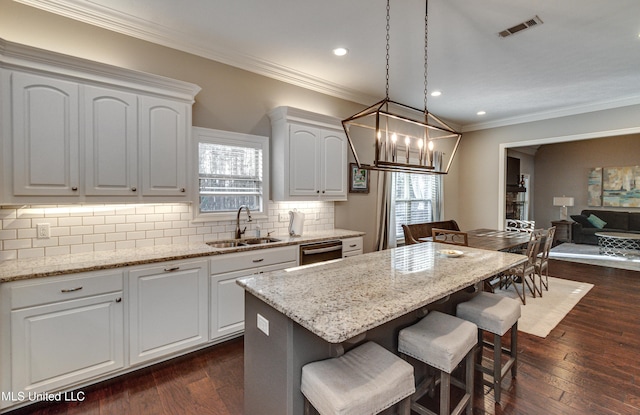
<point x="241" y="242"/>
<point x="259" y="241"/>
<point x="224" y="244"/>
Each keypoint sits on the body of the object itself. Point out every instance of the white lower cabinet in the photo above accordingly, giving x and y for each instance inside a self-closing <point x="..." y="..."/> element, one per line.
<point x="168" y="309"/>
<point x="352" y="246"/>
<point x="227" y="297"/>
<point x="65" y="330"/>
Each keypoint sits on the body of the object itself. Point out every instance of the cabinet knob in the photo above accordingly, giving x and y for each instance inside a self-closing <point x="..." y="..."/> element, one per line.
<point x="133" y="189"/>
<point x="317" y="191"/>
<point x="74" y="188"/>
<point x="183" y="190"/>
<point x="323" y="191"/>
<point x="118" y="300"/>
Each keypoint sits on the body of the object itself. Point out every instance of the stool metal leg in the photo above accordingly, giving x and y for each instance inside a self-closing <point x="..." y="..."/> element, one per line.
<point x="497" y="367"/>
<point x="405" y="406"/>
<point x="470" y="366"/>
<point x="514" y="349"/>
<point x="445" y="388"/>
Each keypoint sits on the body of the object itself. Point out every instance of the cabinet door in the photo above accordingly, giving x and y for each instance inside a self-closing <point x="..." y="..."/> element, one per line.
<point x="333" y="165"/>
<point x="304" y="159"/>
<point x="110" y="129"/>
<point x="163" y="141"/>
<point x="58" y="344"/>
<point x="168" y="309"/>
<point x="227" y="300"/>
<point x="44" y="135"/>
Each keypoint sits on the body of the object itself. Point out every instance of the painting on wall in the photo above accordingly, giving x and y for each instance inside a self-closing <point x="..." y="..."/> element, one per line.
<point x="621" y="186"/>
<point x="595" y="187"/>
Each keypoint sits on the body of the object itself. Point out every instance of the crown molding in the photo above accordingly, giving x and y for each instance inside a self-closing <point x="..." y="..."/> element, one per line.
<point x="564" y="112"/>
<point x="110" y="19"/>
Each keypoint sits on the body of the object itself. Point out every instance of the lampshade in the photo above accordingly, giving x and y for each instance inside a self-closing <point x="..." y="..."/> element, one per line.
<point x="563" y="201"/>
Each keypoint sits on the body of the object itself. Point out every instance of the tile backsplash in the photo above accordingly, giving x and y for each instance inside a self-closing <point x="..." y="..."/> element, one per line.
<point x="88" y="228"/>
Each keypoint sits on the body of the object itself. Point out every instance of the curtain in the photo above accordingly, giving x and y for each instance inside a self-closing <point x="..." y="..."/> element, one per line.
<point x="385" y="212"/>
<point x="438" y="197"/>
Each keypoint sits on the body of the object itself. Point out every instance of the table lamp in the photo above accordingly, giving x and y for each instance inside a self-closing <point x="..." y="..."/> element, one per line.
<point x="563" y="202"/>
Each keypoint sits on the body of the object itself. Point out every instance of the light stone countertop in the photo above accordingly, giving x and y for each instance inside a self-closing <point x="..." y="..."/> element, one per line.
<point x="20" y="269"/>
<point x="344" y="298"/>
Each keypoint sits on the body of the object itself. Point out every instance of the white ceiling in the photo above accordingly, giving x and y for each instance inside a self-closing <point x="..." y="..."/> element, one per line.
<point x="584" y="57"/>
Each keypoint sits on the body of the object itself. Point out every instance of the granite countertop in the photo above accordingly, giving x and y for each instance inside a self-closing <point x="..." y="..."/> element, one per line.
<point x="20" y="269"/>
<point x="344" y="298"/>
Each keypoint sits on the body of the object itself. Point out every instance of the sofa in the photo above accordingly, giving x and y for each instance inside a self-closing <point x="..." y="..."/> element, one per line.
<point x="583" y="230"/>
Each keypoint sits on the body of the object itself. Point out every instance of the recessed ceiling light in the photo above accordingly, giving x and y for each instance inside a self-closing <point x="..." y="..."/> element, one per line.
<point x="481" y="112"/>
<point x="340" y="51"/>
<point x="436" y="93"/>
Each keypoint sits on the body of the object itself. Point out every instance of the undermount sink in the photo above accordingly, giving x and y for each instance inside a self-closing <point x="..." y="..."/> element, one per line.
<point x="258" y="241"/>
<point x="241" y="242"/>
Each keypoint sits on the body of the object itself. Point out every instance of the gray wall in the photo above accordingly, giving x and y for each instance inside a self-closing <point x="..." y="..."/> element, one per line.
<point x="562" y="169"/>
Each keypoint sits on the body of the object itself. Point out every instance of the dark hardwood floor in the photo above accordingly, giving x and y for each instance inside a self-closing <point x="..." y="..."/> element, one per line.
<point x="589" y="364"/>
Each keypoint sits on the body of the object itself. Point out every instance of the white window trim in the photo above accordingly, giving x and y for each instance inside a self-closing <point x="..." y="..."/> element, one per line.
<point x="209" y="135"/>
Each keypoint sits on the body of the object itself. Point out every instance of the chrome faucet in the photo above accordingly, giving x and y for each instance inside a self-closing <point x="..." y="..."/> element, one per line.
<point x="238" y="231"/>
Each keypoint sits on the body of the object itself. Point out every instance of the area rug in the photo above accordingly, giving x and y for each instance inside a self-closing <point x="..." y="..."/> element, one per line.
<point x="541" y="314"/>
<point x="589" y="254"/>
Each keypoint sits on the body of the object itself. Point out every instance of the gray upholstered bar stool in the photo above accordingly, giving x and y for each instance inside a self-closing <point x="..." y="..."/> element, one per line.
<point x="495" y="314"/>
<point x="364" y="381"/>
<point x="441" y="341"/>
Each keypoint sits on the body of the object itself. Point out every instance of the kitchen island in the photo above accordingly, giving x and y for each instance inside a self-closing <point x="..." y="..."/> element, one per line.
<point x="312" y="313"/>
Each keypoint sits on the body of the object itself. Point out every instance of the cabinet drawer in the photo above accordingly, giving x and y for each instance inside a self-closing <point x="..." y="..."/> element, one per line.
<point x="352" y="244"/>
<point x="55" y="289"/>
<point x="253" y="259"/>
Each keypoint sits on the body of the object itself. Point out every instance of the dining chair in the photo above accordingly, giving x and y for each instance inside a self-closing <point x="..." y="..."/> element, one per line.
<point x="447" y="236"/>
<point x="525" y="274"/>
<point x="542" y="261"/>
<point x="413" y="232"/>
<point x="517" y="225"/>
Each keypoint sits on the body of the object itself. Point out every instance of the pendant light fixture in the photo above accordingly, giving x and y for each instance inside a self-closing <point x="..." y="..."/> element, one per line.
<point x="404" y="138"/>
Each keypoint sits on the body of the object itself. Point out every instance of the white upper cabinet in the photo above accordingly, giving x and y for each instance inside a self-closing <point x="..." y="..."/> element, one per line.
<point x="309" y="156"/>
<point x="111" y="132"/>
<point x="45" y="135"/>
<point x="90" y="132"/>
<point x="163" y="140"/>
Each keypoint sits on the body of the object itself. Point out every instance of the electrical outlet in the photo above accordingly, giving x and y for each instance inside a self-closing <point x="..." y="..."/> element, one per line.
<point x="284" y="217"/>
<point x="43" y="230"/>
<point x="263" y="324"/>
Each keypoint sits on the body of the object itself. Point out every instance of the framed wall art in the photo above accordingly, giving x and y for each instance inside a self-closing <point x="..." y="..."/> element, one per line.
<point x="358" y="179"/>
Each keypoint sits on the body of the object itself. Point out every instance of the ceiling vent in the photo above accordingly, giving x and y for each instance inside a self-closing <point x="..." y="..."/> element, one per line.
<point x="521" y="26"/>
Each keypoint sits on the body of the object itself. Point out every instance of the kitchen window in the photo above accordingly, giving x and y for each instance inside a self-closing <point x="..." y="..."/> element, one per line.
<point x="416" y="199"/>
<point x="232" y="172"/>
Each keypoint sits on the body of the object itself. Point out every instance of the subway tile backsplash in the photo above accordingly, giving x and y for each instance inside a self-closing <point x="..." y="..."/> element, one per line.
<point x="88" y="228"/>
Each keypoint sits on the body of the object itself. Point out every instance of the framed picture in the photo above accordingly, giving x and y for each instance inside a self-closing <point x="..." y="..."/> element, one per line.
<point x="358" y="179"/>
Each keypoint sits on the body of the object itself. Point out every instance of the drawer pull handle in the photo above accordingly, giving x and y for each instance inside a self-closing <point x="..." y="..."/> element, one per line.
<point x="70" y="290"/>
<point x="353" y="246"/>
<point x="258" y="260"/>
<point x="118" y="300"/>
<point x="171" y="269"/>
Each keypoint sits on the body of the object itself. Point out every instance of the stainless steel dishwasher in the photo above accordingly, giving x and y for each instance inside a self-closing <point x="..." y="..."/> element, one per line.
<point x="320" y="251"/>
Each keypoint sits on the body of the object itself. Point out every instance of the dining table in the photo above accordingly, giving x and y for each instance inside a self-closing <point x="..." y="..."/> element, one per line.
<point x="494" y="240"/>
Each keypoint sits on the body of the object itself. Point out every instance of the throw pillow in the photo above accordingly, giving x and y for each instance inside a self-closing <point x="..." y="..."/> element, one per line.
<point x="582" y="220"/>
<point x="596" y="221"/>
